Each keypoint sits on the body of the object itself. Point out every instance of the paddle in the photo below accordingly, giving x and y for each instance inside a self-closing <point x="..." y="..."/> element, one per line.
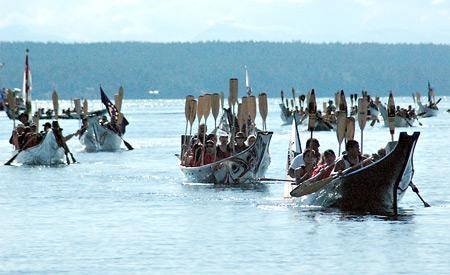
<point x="350" y="128"/>
<point x="17" y="154"/>
<point x="206" y="112"/>
<point x="200" y="107"/>
<point x="351" y="99"/>
<point x="252" y="110"/>
<point x="294" y="97"/>
<point x="77" y="103"/>
<point x="192" y="113"/>
<point x="341" y="124"/>
<point x="187" y="113"/>
<point x="85" y="107"/>
<point x="312" y="110"/>
<point x="222" y="100"/>
<point x="119" y="122"/>
<point x="414" y="98"/>
<point x="12" y="105"/>
<point x="391" y="115"/>
<point x="215" y="107"/>
<point x="240" y="116"/>
<point x="262" y="104"/>
<point x="272" y="179"/>
<point x="282" y="97"/>
<point x="416" y="190"/>
<point x="55" y="103"/>
<point x="245" y="114"/>
<point x="363" y="105"/>
<point x="418" y="97"/>
<point x="118" y="100"/>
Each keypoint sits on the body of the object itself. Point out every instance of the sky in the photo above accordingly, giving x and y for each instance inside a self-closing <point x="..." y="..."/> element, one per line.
<point x="317" y="21"/>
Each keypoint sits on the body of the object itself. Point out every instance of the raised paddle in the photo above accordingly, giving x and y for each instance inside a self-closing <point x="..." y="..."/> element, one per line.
<point x="118" y="102"/>
<point x="187" y="113"/>
<point x="391" y="115"/>
<point x="77" y="103"/>
<point x="240" y="116"/>
<point x="293" y="97"/>
<point x="252" y="109"/>
<point x="55" y="103"/>
<point x="222" y="100"/>
<point x="245" y="114"/>
<point x="363" y="105"/>
<point x="282" y="97"/>
<point x="350" y="128"/>
<point x="215" y="107"/>
<point x="418" y="97"/>
<point x="312" y="110"/>
<point x="206" y="112"/>
<point x="200" y="107"/>
<point x="414" y="99"/>
<point x="351" y="99"/>
<point x="343" y="102"/>
<point x="192" y="114"/>
<point x="85" y="107"/>
<point x="12" y="105"/>
<point x="262" y="103"/>
<point x="341" y="121"/>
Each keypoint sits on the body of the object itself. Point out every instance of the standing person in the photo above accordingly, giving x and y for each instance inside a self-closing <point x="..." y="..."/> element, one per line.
<point x="311" y="143"/>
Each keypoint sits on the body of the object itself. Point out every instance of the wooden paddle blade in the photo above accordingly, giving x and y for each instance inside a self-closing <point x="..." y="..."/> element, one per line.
<point x="200" y="108"/>
<point x="119" y="101"/>
<point x="282" y="97"/>
<point x="363" y="105"/>
<point x="77" y="103"/>
<point x="342" y="102"/>
<point x="293" y="96"/>
<point x="391" y="114"/>
<point x="85" y="107"/>
<point x="186" y="106"/>
<point x="341" y="120"/>
<point x="11" y="97"/>
<point x="192" y="111"/>
<point x="418" y="96"/>
<point x="240" y="116"/>
<point x="232" y="99"/>
<point x="312" y="110"/>
<point x="206" y="106"/>
<point x="350" y="128"/>
<point x="306" y="188"/>
<point x="13" y="158"/>
<point x="215" y="105"/>
<point x="55" y="103"/>
<point x="262" y="104"/>
<point x="252" y="107"/>
<point x="222" y="101"/>
<point x="129" y="147"/>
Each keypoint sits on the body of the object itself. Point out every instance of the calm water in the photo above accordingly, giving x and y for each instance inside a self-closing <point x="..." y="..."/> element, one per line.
<point x="134" y="212"/>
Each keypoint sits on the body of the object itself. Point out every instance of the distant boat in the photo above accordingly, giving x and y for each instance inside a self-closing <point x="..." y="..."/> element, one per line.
<point x="153" y="92"/>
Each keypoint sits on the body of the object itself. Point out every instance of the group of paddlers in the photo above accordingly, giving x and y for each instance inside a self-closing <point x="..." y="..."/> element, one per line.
<point x="313" y="165"/>
<point x="203" y="149"/>
<point x="26" y="135"/>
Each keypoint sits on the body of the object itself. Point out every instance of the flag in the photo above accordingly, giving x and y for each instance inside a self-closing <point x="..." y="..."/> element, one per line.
<point x="113" y="112"/>
<point x="26" y="89"/>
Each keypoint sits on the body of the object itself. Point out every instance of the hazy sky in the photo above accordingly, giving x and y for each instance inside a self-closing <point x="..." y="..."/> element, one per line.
<point x="412" y="21"/>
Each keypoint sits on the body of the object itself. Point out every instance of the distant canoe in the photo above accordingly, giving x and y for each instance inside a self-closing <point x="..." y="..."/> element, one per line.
<point x="287" y="117"/>
<point x="399" y="121"/>
<point x="99" y="138"/>
<point x="427" y="111"/>
<point x="71" y="115"/>
<point x="377" y="187"/>
<point x="48" y="152"/>
<point x="246" y="166"/>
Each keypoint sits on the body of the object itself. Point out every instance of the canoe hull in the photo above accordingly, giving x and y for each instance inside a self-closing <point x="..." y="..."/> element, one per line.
<point x="48" y="152"/>
<point x="98" y="138"/>
<point x="244" y="167"/>
<point x="428" y="112"/>
<point x="375" y="188"/>
<point x="400" y="122"/>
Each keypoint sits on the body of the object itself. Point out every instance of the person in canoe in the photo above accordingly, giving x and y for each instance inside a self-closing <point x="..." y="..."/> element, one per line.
<point x="311" y="143"/>
<point x="306" y="170"/>
<point x="351" y="159"/>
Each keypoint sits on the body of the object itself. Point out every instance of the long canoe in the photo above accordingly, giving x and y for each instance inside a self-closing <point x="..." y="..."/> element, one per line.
<point x="287" y="117"/>
<point x="99" y="138"/>
<point x="399" y="121"/>
<point x="246" y="166"/>
<point x="48" y="152"/>
<point x="427" y="111"/>
<point x="377" y="187"/>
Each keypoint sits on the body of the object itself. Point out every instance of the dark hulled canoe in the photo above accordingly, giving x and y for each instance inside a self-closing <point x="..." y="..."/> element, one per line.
<point x="375" y="188"/>
<point x="287" y="117"/>
<point x="245" y="166"/>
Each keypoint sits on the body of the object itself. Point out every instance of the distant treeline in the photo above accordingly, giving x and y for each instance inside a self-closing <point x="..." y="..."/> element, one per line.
<point x="178" y="69"/>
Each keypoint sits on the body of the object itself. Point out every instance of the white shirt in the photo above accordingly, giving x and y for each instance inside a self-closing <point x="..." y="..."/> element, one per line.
<point x="297" y="162"/>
